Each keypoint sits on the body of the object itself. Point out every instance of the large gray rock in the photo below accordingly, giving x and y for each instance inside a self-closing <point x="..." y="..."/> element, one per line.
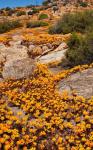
<point x="19" y="68"/>
<point x="81" y="82"/>
<point x="61" y="47"/>
<point x="55" y="55"/>
<point x="13" y="61"/>
<point x="13" y="43"/>
<point x="13" y="53"/>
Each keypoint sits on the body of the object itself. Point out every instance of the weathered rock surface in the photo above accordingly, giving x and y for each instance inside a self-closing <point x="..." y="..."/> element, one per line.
<point x="1" y="80"/>
<point x="31" y="47"/>
<point x="52" y="57"/>
<point x="61" y="47"/>
<point x="19" y="68"/>
<point x="57" y="55"/>
<point x="36" y="51"/>
<point x="45" y="48"/>
<point x="14" y="52"/>
<point x="16" y="62"/>
<point x="81" y="82"/>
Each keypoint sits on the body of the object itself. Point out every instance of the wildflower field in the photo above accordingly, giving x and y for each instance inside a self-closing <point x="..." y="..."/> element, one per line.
<point x="45" y="119"/>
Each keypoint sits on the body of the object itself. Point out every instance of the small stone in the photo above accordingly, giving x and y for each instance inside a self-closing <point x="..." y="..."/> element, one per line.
<point x="31" y="47"/>
<point x="49" y="45"/>
<point x="45" y="48"/>
<point x="36" y="51"/>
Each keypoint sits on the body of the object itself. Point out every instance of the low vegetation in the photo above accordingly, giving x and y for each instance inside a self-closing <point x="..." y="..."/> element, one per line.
<point x="83" y="4"/>
<point x="80" y="49"/>
<point x="10" y="25"/>
<point x="35" y="10"/>
<point x="35" y="24"/>
<point x="20" y="13"/>
<point x="79" y="22"/>
<point x="43" y="16"/>
<point x="46" y="2"/>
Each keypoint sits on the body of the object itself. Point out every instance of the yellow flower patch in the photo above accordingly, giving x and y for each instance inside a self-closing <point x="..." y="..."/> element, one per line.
<point x="46" y="119"/>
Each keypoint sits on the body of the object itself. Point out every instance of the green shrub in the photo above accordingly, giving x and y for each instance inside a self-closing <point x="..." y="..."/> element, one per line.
<point x="45" y="3"/>
<point x="43" y="16"/>
<point x="77" y="22"/>
<point x="35" y="24"/>
<point x="35" y="10"/>
<point x="7" y="26"/>
<point x="83" y="4"/>
<point x="20" y="13"/>
<point x="80" y="49"/>
<point x="7" y="9"/>
<point x="55" y="8"/>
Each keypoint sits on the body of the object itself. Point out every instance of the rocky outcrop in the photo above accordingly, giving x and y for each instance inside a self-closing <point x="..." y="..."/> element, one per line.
<point x="15" y="62"/>
<point x="16" y="59"/>
<point x="57" y="55"/>
<point x="35" y="51"/>
<point x="13" y="52"/>
<point x="81" y="82"/>
<point x="52" y="57"/>
<point x="19" y="68"/>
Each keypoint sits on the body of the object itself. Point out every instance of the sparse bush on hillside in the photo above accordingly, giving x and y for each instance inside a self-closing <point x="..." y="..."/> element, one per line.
<point x="7" y="9"/>
<point x="43" y="16"/>
<point x="11" y="12"/>
<point x="80" y="49"/>
<point x="7" y="26"/>
<point x="79" y="22"/>
<point x="83" y="4"/>
<point x="20" y="13"/>
<point x="35" y="10"/>
<point x="35" y="24"/>
<point x="46" y="2"/>
<point x="55" y="8"/>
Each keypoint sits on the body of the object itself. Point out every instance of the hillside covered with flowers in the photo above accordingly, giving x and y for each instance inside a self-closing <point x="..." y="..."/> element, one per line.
<point x="34" y="115"/>
<point x="46" y="76"/>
